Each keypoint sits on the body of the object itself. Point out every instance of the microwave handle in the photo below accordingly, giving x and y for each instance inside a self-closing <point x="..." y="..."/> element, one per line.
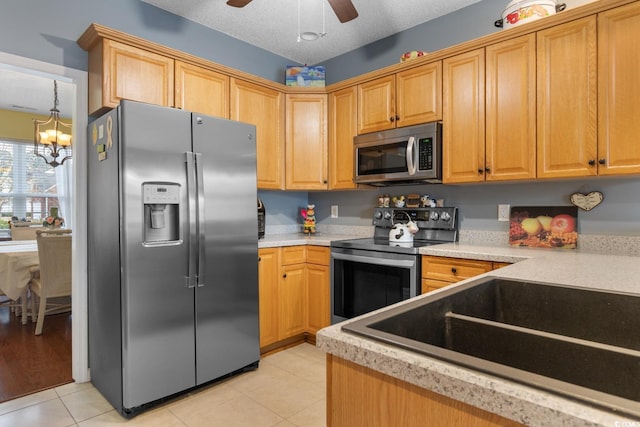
<point x="411" y="164"/>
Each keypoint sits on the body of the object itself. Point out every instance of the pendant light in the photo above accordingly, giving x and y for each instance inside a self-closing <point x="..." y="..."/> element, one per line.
<point x="310" y="35"/>
<point x="49" y="139"/>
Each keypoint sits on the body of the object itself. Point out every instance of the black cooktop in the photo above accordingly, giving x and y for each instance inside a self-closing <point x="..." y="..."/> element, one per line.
<point x="383" y="245"/>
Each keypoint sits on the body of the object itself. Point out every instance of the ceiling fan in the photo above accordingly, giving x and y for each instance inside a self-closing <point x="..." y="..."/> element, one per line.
<point x="344" y="9"/>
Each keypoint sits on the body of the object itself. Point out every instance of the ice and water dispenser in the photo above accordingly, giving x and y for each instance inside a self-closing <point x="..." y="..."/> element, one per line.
<point x="161" y="213"/>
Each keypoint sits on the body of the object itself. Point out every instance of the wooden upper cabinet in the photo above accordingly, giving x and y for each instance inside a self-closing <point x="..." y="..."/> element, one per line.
<point x="419" y="95"/>
<point x="377" y="105"/>
<point x="567" y="99"/>
<point x="306" y="142"/>
<point x="619" y="90"/>
<point x="120" y="72"/>
<point x="343" y="120"/>
<point x="510" y="141"/>
<point x="263" y="107"/>
<point x="201" y="90"/>
<point x="463" y="115"/>
<point x="407" y="98"/>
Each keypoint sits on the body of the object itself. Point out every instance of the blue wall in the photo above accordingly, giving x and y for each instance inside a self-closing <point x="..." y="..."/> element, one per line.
<point x="619" y="213"/>
<point x="47" y="31"/>
<point x="462" y="25"/>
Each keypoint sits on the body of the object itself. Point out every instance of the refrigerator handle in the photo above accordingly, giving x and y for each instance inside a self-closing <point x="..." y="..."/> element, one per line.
<point x="191" y="190"/>
<point x="201" y="220"/>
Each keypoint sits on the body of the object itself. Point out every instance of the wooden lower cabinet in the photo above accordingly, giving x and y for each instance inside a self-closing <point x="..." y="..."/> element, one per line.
<point x="318" y="290"/>
<point x="359" y="396"/>
<point x="294" y="294"/>
<point x="438" y="272"/>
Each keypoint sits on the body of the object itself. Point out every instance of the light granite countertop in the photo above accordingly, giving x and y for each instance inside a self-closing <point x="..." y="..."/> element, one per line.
<point x="525" y="404"/>
<point x="295" y="239"/>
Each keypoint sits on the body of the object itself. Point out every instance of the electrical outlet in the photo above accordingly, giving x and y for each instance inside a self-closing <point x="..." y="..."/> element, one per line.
<point x="334" y="211"/>
<point x="503" y="212"/>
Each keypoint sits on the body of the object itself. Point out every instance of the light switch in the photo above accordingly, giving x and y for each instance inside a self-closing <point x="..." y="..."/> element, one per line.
<point x="503" y="212"/>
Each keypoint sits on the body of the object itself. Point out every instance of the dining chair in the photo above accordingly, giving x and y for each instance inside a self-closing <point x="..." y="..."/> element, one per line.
<point x="22" y="233"/>
<point x="54" y="276"/>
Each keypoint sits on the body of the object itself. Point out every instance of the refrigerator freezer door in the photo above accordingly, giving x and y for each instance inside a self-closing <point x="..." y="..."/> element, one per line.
<point x="227" y="297"/>
<point x="158" y="312"/>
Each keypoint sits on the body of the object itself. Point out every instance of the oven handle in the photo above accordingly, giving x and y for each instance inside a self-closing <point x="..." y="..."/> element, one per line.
<point x="374" y="260"/>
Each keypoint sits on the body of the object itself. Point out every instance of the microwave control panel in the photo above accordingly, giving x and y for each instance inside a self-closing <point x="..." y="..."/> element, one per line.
<point x="425" y="154"/>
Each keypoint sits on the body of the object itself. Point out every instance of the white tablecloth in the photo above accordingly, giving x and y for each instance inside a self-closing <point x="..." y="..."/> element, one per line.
<point x="16" y="260"/>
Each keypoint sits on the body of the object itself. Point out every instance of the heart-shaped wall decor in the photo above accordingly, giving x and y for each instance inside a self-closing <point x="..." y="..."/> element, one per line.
<point x="587" y="201"/>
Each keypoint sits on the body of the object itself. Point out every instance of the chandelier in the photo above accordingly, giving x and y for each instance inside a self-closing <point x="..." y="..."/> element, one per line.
<point x="49" y="139"/>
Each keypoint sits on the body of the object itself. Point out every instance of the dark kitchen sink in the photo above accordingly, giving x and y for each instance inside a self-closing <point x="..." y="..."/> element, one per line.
<point x="578" y="342"/>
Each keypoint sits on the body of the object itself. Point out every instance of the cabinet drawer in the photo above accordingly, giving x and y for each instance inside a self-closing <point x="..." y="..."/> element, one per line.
<point x="294" y="255"/>
<point x="318" y="255"/>
<point x="452" y="269"/>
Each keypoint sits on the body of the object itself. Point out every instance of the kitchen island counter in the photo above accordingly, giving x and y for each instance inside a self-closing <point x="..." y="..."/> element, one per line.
<point x="525" y="404"/>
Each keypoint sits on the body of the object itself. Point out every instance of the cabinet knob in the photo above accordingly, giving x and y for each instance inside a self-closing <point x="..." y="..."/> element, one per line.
<point x="454" y="270"/>
<point x="592" y="162"/>
<point x="397" y="117"/>
<point x="480" y="171"/>
<point x="487" y="170"/>
<point x="392" y="119"/>
<point x="259" y="258"/>
<point x="284" y="276"/>
<point x="602" y="161"/>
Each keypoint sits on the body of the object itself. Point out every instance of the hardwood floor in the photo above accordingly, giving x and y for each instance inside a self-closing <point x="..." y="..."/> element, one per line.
<point x="30" y="363"/>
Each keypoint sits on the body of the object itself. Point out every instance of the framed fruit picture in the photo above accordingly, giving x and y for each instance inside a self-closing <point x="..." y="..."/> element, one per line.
<point x="544" y="226"/>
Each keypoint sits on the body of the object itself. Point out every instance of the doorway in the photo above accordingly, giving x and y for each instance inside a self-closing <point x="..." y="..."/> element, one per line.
<point x="78" y="78"/>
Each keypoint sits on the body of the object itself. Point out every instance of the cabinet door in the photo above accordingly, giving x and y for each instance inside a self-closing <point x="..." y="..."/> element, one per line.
<point x="293" y="300"/>
<point x="510" y="145"/>
<point x="452" y="269"/>
<point x="463" y="103"/>
<point x="343" y="122"/>
<point x="201" y="90"/>
<point x="306" y="142"/>
<point x="318" y="292"/>
<point x="377" y="105"/>
<point x="419" y="95"/>
<point x="136" y="74"/>
<point x="619" y="90"/>
<point x="268" y="281"/>
<point x="430" y="285"/>
<point x="263" y="107"/>
<point x="567" y="99"/>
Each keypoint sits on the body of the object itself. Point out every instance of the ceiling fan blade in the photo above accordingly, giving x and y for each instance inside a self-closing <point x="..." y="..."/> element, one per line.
<point x="344" y="9"/>
<point x="238" y="3"/>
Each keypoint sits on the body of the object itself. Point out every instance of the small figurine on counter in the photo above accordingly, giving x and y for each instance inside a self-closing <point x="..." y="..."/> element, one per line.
<point x="398" y="201"/>
<point x="309" y="215"/>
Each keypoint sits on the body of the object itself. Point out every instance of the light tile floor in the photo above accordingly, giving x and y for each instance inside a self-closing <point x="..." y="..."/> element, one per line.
<point x="288" y="389"/>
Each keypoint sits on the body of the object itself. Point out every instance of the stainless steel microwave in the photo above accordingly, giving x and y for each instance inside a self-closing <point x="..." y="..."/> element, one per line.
<point x="399" y="156"/>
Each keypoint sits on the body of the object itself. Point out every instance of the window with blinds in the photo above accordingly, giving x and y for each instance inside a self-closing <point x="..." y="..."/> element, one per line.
<point x="27" y="184"/>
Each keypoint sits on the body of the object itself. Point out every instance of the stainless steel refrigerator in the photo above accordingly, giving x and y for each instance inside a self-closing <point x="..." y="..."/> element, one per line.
<point x="173" y="280"/>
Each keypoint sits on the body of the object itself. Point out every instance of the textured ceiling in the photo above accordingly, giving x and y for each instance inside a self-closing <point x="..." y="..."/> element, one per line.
<point x="273" y="24"/>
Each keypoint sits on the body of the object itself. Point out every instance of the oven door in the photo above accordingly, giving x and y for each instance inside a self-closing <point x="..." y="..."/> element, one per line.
<point x="363" y="281"/>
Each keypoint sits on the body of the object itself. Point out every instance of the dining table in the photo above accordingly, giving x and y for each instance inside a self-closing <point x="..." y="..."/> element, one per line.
<point x="17" y="261"/>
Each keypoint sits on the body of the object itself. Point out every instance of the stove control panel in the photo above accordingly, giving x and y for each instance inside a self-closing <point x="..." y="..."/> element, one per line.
<point x="427" y="218"/>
